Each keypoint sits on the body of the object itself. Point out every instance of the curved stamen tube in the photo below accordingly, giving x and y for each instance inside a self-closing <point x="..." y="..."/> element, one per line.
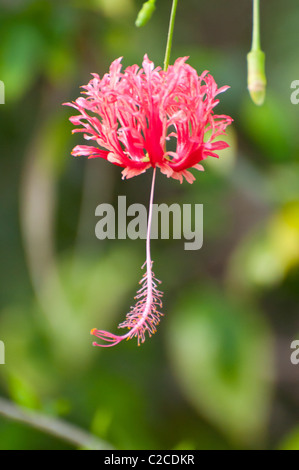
<point x="144" y="315"/>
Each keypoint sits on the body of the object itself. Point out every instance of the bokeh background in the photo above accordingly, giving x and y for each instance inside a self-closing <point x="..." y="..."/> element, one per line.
<point x="218" y="374"/>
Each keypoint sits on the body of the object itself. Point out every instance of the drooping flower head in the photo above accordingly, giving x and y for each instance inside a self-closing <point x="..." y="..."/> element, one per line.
<point x="133" y="117"/>
<point x="143" y="118"/>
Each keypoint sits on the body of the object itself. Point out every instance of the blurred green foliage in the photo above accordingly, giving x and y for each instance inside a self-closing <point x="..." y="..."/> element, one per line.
<point x="218" y="373"/>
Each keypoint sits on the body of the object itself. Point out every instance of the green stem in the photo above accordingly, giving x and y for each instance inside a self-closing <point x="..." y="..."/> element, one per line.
<point x="256" y="40"/>
<point x="53" y="426"/>
<point x="170" y="34"/>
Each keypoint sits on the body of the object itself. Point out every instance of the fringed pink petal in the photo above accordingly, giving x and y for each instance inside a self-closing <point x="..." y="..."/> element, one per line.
<point x="91" y="152"/>
<point x="133" y="113"/>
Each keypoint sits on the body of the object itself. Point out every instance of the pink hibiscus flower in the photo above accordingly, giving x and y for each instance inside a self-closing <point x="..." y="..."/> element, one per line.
<point x="131" y="116"/>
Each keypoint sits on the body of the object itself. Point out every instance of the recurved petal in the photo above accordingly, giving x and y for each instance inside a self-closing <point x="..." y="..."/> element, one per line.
<point x="88" y="151"/>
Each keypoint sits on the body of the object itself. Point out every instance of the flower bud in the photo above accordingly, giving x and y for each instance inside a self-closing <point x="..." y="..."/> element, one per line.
<point x="256" y="76"/>
<point x="145" y="13"/>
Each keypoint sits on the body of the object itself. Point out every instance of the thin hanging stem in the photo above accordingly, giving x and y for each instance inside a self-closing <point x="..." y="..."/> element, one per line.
<point x="170" y="34"/>
<point x="144" y="315"/>
<point x="256" y="40"/>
